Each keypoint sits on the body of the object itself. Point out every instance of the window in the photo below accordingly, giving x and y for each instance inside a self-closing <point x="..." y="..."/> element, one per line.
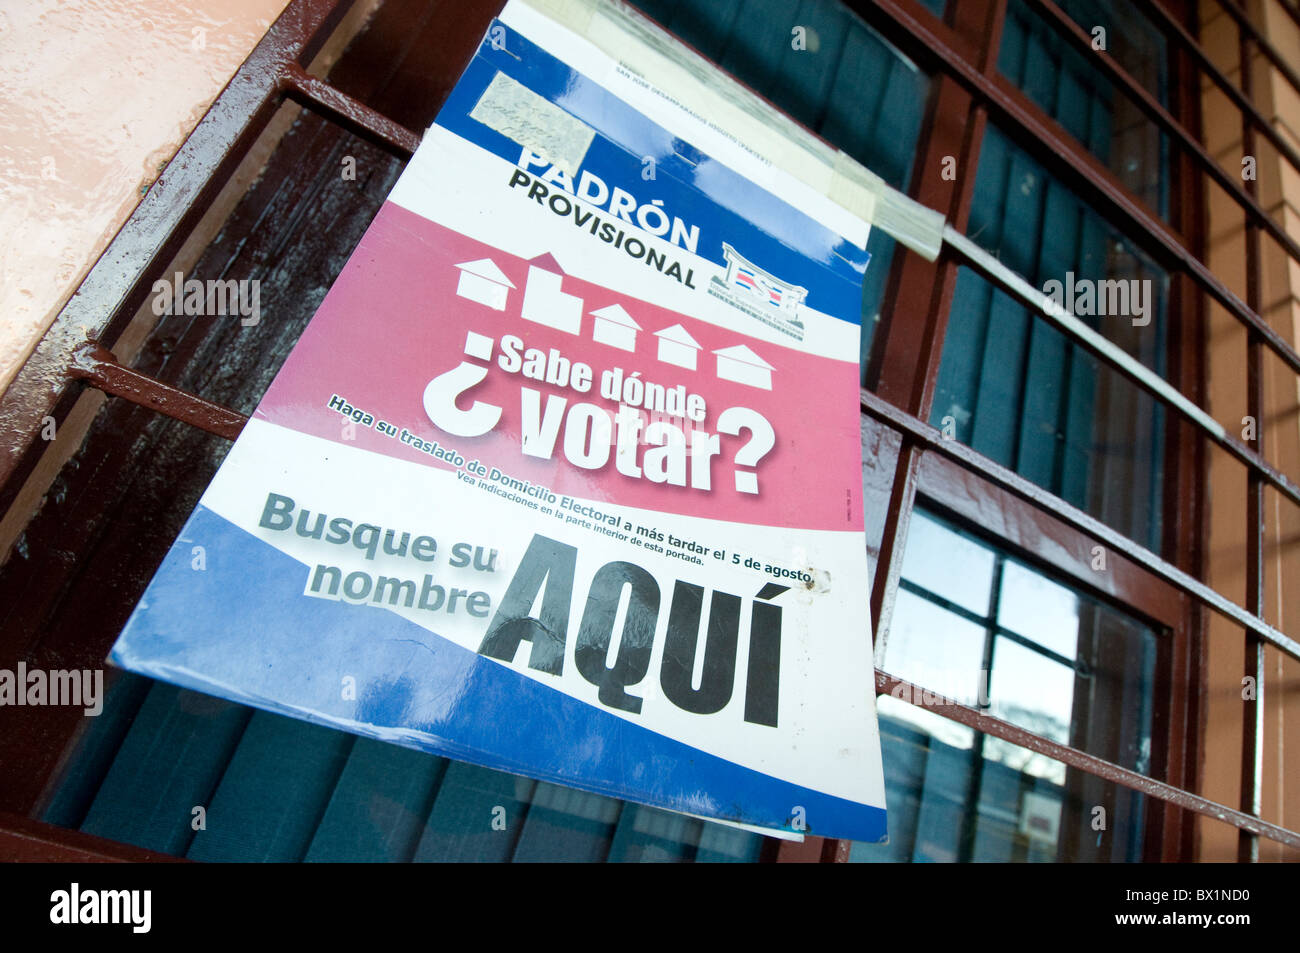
<point x="1021" y="392"/>
<point x="983" y="629"/>
<point x="1036" y="507"/>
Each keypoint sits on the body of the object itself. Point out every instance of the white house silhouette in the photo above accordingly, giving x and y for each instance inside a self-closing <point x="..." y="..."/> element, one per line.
<point x="484" y="282"/>
<point x="676" y="346"/>
<point x="546" y="304"/>
<point x="615" y="327"/>
<point x="740" y="364"/>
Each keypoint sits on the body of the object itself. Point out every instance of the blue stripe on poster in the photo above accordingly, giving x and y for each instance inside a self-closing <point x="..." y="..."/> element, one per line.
<point x="231" y="622"/>
<point x="779" y="237"/>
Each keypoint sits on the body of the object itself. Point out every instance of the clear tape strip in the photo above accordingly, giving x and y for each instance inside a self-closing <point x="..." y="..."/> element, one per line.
<point x="534" y="122"/>
<point x="666" y="63"/>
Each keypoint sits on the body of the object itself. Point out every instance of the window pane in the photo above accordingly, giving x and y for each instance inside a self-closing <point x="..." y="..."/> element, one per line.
<point x="1022" y="393"/>
<point x="1039" y="228"/>
<point x="278" y="789"/>
<point x="1037" y="608"/>
<point x="947" y="803"/>
<point x="1042" y="655"/>
<point x="933" y="549"/>
<point x="1035" y="692"/>
<point x="1066" y="83"/>
<point x="936" y="649"/>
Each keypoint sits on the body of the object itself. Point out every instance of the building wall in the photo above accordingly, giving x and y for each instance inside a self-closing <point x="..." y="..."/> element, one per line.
<point x="96" y="96"/>
<point x="1279" y="194"/>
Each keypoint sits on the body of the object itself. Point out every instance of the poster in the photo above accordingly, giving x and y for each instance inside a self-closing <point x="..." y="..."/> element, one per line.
<point x="563" y="478"/>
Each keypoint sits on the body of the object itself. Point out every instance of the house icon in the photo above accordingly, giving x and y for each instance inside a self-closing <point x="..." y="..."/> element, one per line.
<point x="546" y="304"/>
<point x="676" y="346"/>
<point x="743" y="366"/>
<point x="484" y="282"/>
<point x="615" y="327"/>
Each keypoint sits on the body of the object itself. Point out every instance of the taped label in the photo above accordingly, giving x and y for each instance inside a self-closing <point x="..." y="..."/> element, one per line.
<point x="802" y="163"/>
<point x="534" y="122"/>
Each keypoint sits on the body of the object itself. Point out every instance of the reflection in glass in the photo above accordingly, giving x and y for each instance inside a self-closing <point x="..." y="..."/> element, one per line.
<point x="1030" y="651"/>
<point x="1067" y="84"/>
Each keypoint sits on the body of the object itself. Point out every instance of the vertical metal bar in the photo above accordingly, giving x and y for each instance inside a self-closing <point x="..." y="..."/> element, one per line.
<point x="905" y="363"/>
<point x="1252" y="765"/>
<point x="1181" y="676"/>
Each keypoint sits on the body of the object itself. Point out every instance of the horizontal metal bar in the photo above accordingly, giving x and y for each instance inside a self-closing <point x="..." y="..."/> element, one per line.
<point x="1261" y="43"/>
<point x="27" y="841"/>
<point x="97" y="366"/>
<point x="118" y="284"/>
<point x="1043" y="305"/>
<point x="1230" y="89"/>
<point x="887" y="684"/>
<point x="1049" y="138"/>
<point x="312" y="91"/>
<point x="932" y="439"/>
<point x="1230" y="183"/>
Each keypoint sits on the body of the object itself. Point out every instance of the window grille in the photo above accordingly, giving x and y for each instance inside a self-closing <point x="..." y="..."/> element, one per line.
<point x="949" y="80"/>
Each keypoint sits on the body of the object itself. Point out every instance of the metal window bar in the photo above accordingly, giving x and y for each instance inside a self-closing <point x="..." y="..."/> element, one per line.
<point x="887" y="684"/>
<point x="274" y="70"/>
<point x="1252" y="721"/>
<point x="1231" y="184"/>
<point x="1060" y="152"/>
<point x="1258" y="467"/>
<point x="1291" y="10"/>
<point x="988" y="92"/>
<point x="1250" y="33"/>
<point x="1206" y="66"/>
<point x="921" y="435"/>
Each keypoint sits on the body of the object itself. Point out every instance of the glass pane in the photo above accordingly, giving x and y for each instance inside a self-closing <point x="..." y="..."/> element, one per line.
<point x="936" y="649"/>
<point x="1066" y="83"/>
<point x="933" y="549"/>
<point x="1037" y="608"/>
<point x="1017" y="389"/>
<point x="1041" y="655"/>
<point x="949" y="803"/>
<point x="1039" y="228"/>
<point x="1035" y="692"/>
<point x="282" y="790"/>
<point x="1021" y="393"/>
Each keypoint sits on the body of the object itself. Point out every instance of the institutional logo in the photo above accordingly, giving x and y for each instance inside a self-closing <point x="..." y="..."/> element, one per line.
<point x="759" y="294"/>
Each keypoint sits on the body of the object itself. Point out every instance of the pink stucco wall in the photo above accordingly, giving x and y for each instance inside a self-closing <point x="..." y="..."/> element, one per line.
<point x="95" y="96"/>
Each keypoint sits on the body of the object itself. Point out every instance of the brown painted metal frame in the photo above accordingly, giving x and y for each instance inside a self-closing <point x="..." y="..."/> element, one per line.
<point x="119" y="283"/>
<point x="1051" y="145"/>
<point x="967" y="93"/>
<point x="1244" y="197"/>
<point x="1252" y="721"/>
